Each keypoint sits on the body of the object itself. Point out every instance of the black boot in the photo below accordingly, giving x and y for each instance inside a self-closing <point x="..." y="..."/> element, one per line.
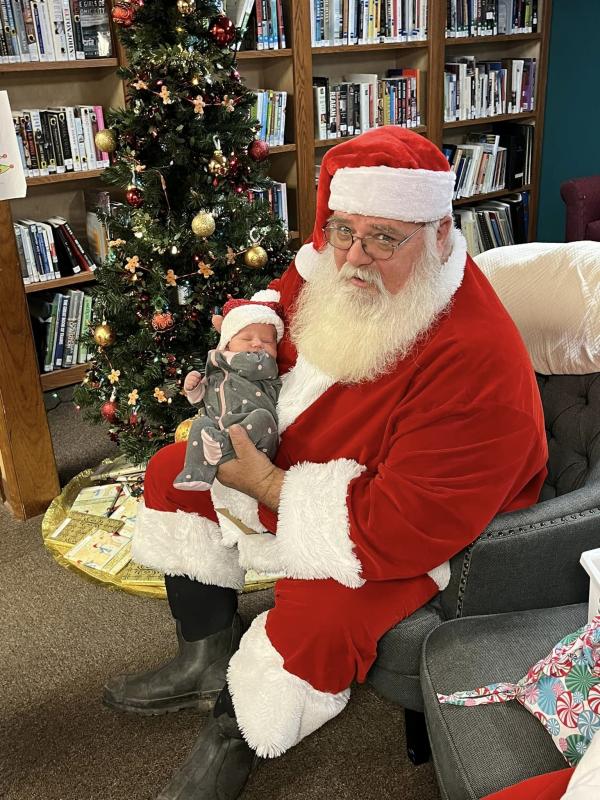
<point x="217" y="767"/>
<point x="193" y="679"/>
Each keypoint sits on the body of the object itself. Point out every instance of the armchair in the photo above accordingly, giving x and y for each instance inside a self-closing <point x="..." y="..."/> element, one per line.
<point x="582" y="199"/>
<point x="526" y="559"/>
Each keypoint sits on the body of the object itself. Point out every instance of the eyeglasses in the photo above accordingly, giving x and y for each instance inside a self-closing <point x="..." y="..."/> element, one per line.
<point x="379" y="247"/>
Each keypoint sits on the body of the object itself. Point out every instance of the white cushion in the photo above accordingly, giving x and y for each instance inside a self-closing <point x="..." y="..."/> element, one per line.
<point x="552" y="292"/>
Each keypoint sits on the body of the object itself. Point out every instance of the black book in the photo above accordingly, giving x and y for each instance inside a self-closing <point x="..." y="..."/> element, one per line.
<point x="52" y="117"/>
<point x="65" y="141"/>
<point x="40" y="312"/>
<point x="67" y="262"/>
<point x="513" y="137"/>
<point x="95" y="28"/>
<point x="47" y="143"/>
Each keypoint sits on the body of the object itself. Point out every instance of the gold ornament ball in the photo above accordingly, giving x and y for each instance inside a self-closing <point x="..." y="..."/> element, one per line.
<point x="183" y="430"/>
<point x="103" y="335"/>
<point x="186" y="7"/>
<point x="203" y="224"/>
<point x="256" y="257"/>
<point x="218" y="164"/>
<point x="106" y="140"/>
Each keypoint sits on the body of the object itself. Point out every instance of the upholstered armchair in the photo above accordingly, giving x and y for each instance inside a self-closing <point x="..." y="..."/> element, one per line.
<point x="526" y="559"/>
<point x="582" y="199"/>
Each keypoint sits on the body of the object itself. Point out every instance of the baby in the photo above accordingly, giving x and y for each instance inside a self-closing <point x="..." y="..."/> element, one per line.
<point x="240" y="386"/>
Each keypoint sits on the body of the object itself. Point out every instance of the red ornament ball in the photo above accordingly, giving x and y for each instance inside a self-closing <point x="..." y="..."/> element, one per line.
<point x="109" y="410"/>
<point x="123" y="14"/>
<point x="133" y="418"/>
<point x="134" y="196"/>
<point x="258" y="150"/>
<point x="222" y="30"/>
<point x="162" y="321"/>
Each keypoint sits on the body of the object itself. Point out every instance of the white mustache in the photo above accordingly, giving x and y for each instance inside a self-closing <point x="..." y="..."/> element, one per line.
<point x="347" y="272"/>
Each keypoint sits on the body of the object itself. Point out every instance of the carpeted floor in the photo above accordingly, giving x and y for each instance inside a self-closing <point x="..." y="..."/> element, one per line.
<point x="62" y="636"/>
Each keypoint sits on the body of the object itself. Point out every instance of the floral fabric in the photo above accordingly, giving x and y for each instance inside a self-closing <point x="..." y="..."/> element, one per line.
<point x="562" y="691"/>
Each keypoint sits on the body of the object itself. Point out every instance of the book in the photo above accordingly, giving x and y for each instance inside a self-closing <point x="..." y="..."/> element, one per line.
<point x="76" y="527"/>
<point x="97" y="500"/>
<point x="101" y="550"/>
<point x="95" y="28"/>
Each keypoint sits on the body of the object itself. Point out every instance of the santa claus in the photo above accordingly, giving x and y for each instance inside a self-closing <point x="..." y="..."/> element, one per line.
<point x="409" y="417"/>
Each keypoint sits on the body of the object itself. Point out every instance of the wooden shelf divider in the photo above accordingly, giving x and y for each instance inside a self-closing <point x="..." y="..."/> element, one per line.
<point x="65" y="177"/>
<point x="466" y="123"/>
<point x="72" y="280"/>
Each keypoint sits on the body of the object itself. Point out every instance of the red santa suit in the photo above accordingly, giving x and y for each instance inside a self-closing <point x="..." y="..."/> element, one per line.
<point x="384" y="480"/>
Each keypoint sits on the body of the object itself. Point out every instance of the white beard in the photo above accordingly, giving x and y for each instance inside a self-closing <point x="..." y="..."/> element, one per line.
<point x="354" y="334"/>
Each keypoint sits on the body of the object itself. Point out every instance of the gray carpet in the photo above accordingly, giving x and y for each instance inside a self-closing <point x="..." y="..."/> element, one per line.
<point x="63" y="635"/>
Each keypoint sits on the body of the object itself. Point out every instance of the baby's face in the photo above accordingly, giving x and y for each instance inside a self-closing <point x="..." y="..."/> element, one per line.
<point x="255" y="337"/>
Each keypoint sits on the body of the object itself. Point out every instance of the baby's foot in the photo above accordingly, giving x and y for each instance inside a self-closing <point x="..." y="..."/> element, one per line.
<point x="212" y="450"/>
<point x="192" y="486"/>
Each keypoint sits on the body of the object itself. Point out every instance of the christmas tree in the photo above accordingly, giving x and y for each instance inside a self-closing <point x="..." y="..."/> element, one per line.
<point x="188" y="235"/>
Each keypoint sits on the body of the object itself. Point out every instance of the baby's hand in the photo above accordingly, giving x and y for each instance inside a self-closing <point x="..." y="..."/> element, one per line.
<point x="192" y="379"/>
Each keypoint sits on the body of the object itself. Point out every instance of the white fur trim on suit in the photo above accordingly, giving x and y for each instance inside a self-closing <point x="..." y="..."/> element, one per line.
<point x="241" y="316"/>
<point x="412" y="195"/>
<point x="241" y="506"/>
<point x="307" y="260"/>
<point x="178" y="543"/>
<point x="274" y="708"/>
<point x="313" y="530"/>
<point x="266" y="296"/>
<point x="441" y="575"/>
<point x="300" y="388"/>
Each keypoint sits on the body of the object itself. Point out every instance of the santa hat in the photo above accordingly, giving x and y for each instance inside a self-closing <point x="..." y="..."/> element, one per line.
<point x="239" y="313"/>
<point x="389" y="172"/>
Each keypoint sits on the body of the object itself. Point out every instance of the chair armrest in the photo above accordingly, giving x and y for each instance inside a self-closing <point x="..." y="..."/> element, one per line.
<point x="582" y="199"/>
<point x="527" y="559"/>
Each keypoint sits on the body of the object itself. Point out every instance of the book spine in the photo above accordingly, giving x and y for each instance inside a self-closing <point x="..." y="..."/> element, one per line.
<point x="21" y="253"/>
<point x="86" y="318"/>
<point x="25" y="8"/>
<point x="67" y="258"/>
<point x="59" y="157"/>
<point x="17" y="11"/>
<point x="65" y="139"/>
<point x="58" y="29"/>
<point x="52" y="332"/>
<point x="88" y="138"/>
<point x="68" y="29"/>
<point x="83" y="159"/>
<point x="61" y="331"/>
<point x="77" y="32"/>
<point x="47" y="28"/>
<point x="84" y="260"/>
<point x="10" y="34"/>
<point x="72" y="132"/>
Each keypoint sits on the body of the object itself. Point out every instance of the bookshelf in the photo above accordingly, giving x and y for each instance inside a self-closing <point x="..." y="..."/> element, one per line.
<point x="29" y="474"/>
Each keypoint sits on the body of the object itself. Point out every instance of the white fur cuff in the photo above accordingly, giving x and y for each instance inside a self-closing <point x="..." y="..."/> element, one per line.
<point x="266" y="296"/>
<point x="313" y="531"/>
<point x="274" y="708"/>
<point x="178" y="543"/>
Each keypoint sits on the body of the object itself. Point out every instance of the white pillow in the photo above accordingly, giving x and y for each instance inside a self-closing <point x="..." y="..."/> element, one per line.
<point x="552" y="292"/>
<point x="585" y="781"/>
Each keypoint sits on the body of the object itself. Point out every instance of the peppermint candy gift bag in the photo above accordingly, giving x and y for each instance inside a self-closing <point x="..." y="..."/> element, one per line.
<point x="562" y="690"/>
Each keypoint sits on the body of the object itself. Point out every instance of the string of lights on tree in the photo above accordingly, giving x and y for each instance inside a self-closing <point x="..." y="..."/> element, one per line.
<point x="184" y="154"/>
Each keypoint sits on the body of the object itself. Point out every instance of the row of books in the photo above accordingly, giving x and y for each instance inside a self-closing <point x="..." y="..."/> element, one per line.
<point x="269" y="110"/>
<point x="276" y="197"/>
<point x="264" y="18"/>
<point x="491" y="161"/>
<point x="345" y="22"/>
<point x="56" y="140"/>
<point x="54" y="30"/>
<point x="49" y="250"/>
<point x="361" y="101"/>
<point x="57" y="321"/>
<point x="475" y="89"/>
<point x="495" y="223"/>
<point x="490" y="17"/>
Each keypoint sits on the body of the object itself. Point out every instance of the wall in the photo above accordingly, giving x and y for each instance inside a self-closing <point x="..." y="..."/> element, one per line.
<point x="571" y="146"/>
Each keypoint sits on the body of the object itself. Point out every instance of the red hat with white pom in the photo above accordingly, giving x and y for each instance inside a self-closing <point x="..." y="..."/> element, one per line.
<point x="389" y="172"/>
<point x="239" y="313"/>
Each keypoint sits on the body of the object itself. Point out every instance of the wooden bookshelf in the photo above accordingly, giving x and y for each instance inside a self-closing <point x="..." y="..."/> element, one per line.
<point x="60" y="66"/>
<point x="72" y="280"/>
<point x="65" y="177"/>
<point x="63" y="377"/>
<point x="480" y="198"/>
<point x="29" y="474"/>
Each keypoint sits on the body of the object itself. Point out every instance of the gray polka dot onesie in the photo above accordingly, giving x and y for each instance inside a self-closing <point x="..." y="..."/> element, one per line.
<point x="237" y="388"/>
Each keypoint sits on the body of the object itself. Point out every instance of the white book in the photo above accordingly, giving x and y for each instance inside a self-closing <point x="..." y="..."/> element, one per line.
<point x="50" y="247"/>
<point x="320" y="103"/>
<point x="46" y="17"/>
<point x="88" y="137"/>
<point x="45" y="47"/>
<point x="68" y="24"/>
<point x="28" y="250"/>
<point x="22" y="257"/>
<point x="80" y="138"/>
<point x="72" y="137"/>
<point x="55" y="8"/>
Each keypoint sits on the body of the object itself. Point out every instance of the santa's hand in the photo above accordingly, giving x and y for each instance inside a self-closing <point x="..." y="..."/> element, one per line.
<point x="251" y="471"/>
